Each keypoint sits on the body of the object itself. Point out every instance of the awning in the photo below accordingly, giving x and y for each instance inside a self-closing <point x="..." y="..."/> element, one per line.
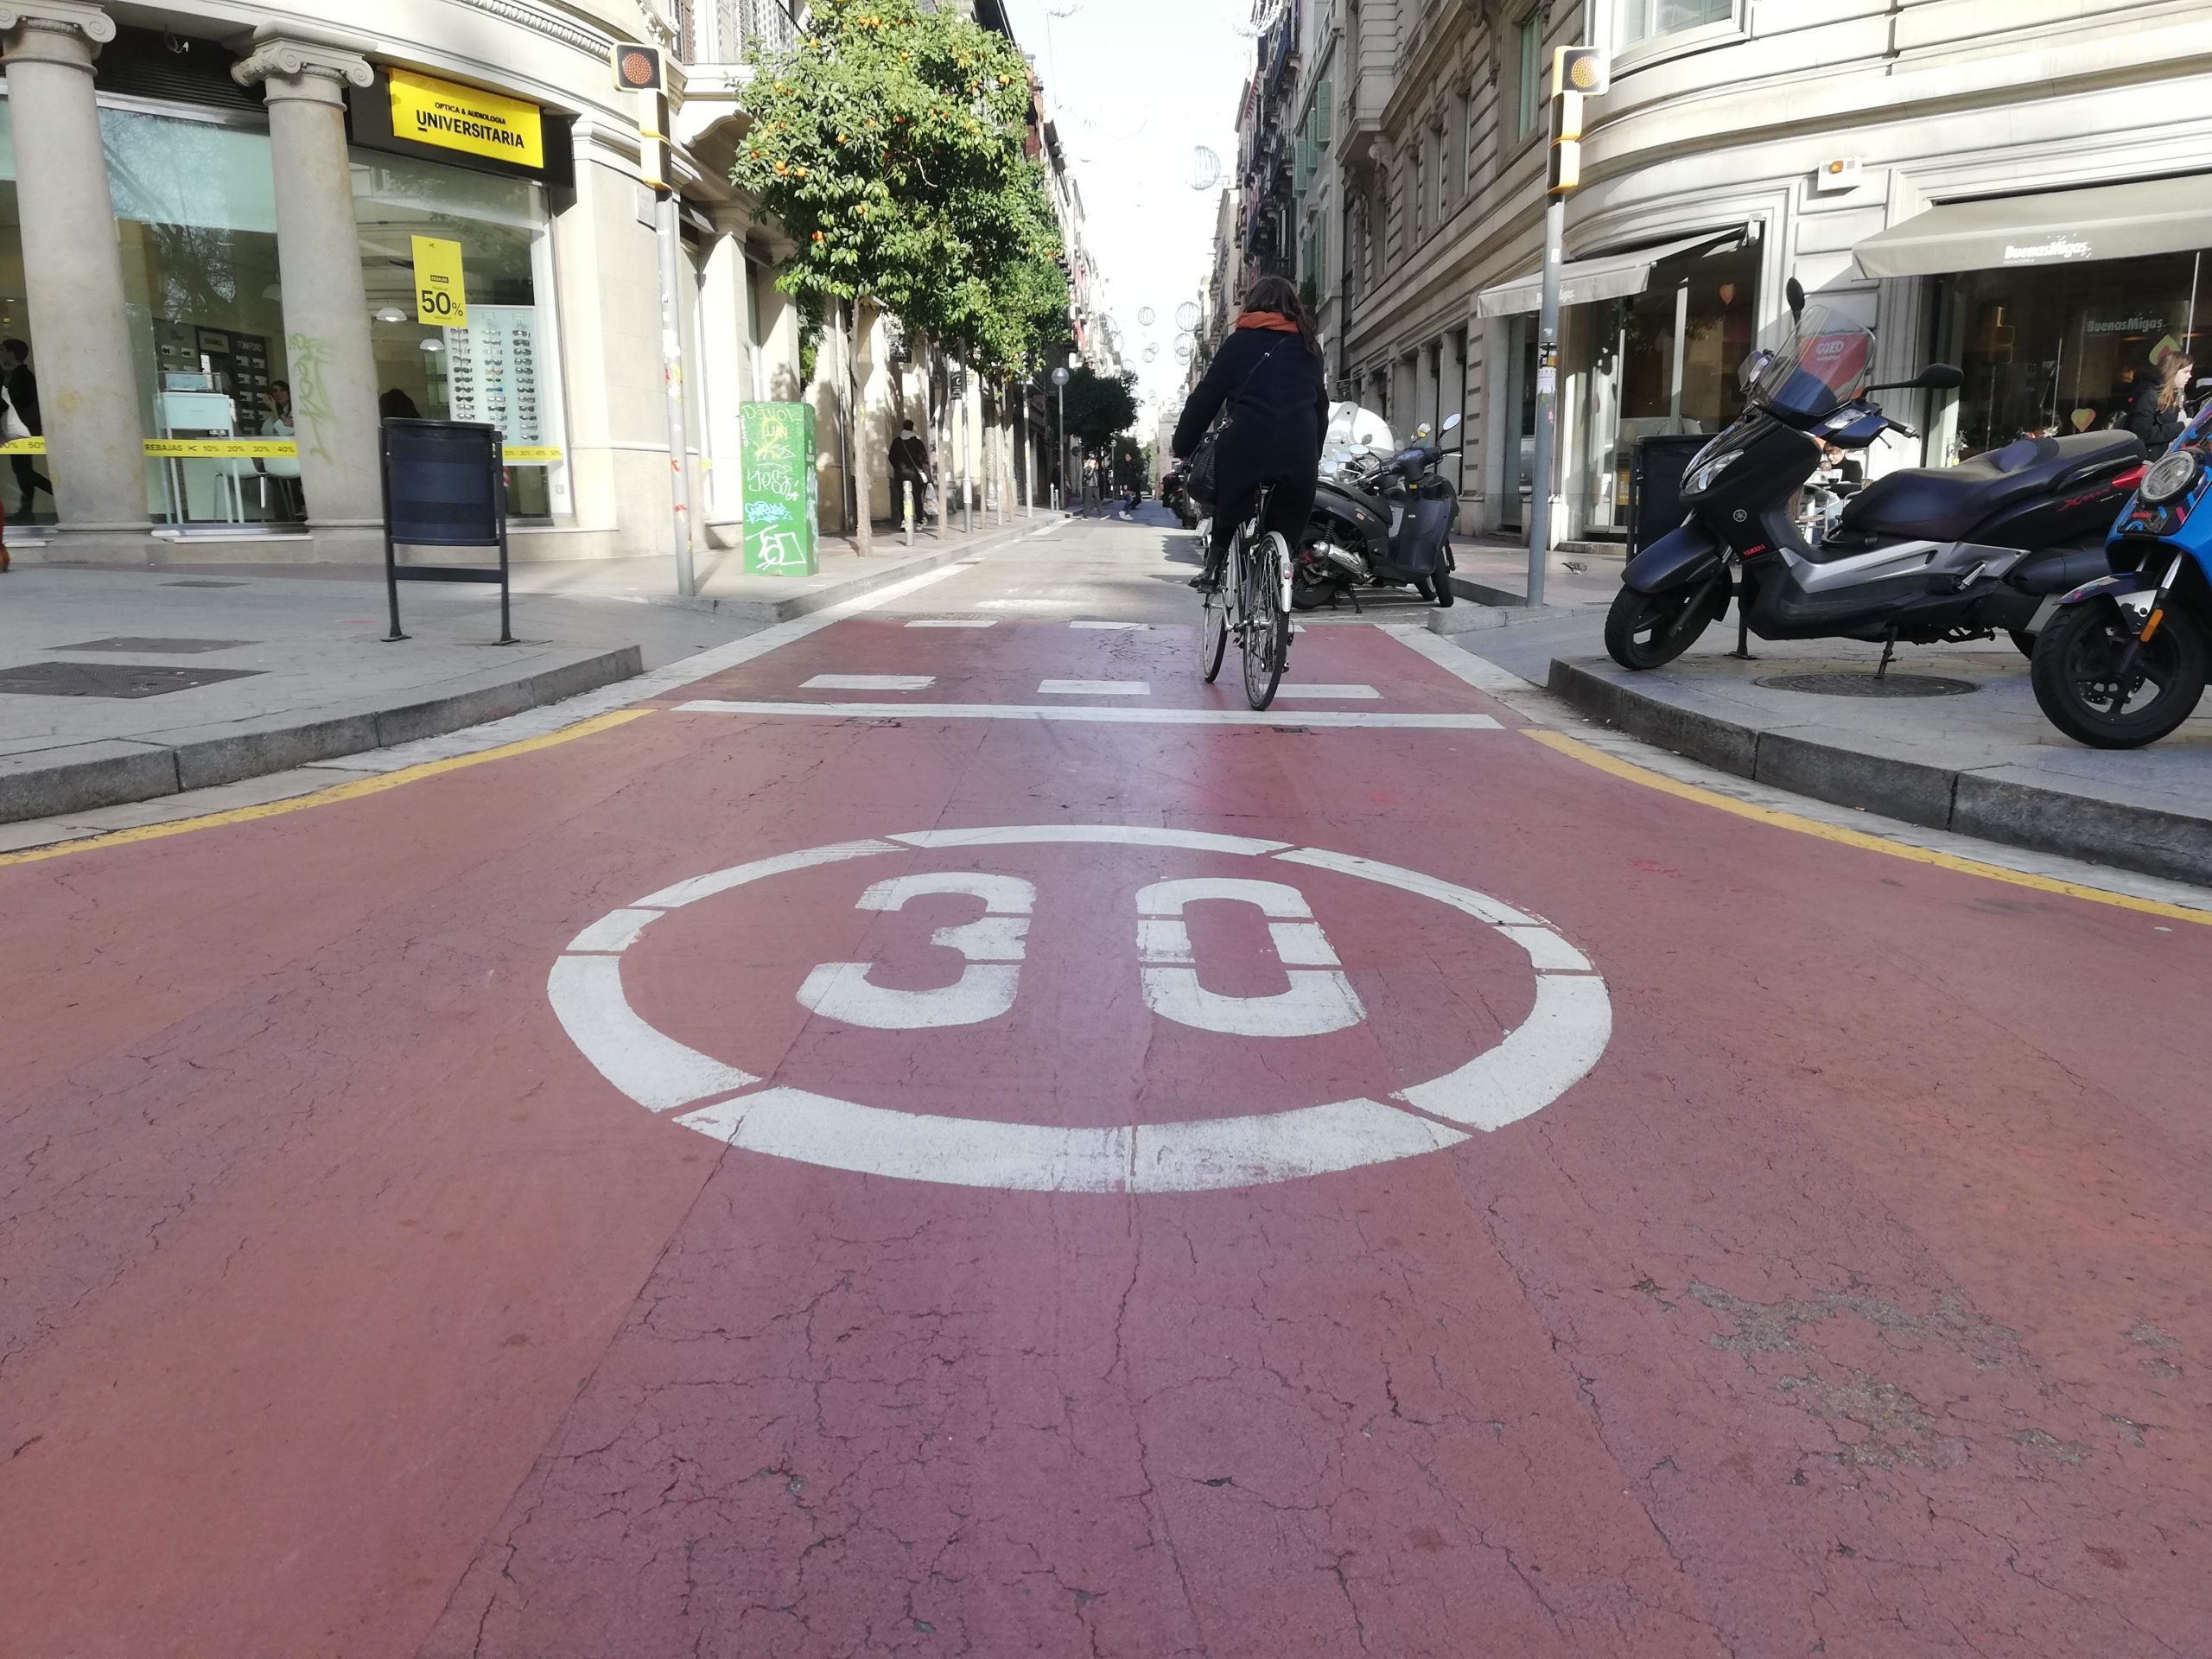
<point x="2112" y="221"/>
<point x="1603" y="277"/>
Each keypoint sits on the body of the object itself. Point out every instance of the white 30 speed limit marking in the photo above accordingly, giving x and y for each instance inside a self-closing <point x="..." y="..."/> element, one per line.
<point x="1552" y="1049"/>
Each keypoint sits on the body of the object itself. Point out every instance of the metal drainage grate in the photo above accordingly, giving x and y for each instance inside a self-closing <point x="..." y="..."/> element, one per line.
<point x="157" y="647"/>
<point x="110" y="679"/>
<point x="203" y="584"/>
<point x="1866" y="685"/>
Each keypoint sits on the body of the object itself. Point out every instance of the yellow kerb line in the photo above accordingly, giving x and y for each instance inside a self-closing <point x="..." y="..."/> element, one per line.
<point x="1576" y="749"/>
<point x="345" y="791"/>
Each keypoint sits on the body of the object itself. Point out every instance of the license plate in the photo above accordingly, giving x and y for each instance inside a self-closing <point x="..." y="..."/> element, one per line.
<point x="2044" y="612"/>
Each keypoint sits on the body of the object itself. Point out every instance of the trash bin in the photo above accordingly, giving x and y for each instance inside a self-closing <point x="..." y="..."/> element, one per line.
<point x="782" y="523"/>
<point x="1655" y="485"/>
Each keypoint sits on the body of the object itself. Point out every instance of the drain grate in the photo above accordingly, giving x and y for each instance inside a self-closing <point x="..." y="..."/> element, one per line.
<point x="157" y="647"/>
<point x="110" y="679"/>
<point x="1866" y="685"/>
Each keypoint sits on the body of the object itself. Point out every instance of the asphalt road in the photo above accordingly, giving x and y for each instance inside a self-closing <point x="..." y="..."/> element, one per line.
<point x="954" y="1138"/>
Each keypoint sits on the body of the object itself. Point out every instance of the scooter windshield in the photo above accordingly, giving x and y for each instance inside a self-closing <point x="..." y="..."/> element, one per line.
<point x="1822" y="362"/>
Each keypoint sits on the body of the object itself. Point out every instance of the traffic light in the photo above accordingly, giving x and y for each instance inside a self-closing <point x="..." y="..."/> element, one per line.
<point x="1577" y="69"/>
<point x="1577" y="72"/>
<point x="637" y="69"/>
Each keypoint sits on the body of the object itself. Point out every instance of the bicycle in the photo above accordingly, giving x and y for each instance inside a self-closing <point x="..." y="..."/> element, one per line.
<point x="1253" y="602"/>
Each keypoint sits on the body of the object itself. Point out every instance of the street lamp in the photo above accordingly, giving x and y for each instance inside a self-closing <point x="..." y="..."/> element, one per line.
<point x="1060" y="380"/>
<point x="1576" y="70"/>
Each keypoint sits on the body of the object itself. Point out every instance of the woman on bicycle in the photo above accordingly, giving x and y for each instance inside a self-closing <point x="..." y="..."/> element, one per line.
<point x="1269" y="375"/>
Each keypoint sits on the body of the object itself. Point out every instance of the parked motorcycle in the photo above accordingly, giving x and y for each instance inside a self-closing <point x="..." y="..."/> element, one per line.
<point x="2124" y="659"/>
<point x="1923" y="555"/>
<point x="1379" y="520"/>
<point x="1175" y="496"/>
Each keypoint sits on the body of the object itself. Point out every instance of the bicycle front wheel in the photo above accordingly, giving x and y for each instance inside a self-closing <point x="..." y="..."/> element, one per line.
<point x="1266" y="624"/>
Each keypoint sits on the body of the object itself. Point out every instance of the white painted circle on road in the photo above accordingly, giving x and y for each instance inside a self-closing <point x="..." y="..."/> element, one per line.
<point x="1562" y="1038"/>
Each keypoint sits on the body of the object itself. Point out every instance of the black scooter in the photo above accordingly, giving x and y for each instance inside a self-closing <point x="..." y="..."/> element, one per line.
<point x="1379" y="522"/>
<point x="1924" y="555"/>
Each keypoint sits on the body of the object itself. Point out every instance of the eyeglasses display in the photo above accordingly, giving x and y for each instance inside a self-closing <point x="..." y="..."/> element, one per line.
<point x="492" y="370"/>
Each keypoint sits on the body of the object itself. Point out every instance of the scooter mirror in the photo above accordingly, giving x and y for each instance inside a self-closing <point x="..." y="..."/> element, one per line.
<point x="1795" y="292"/>
<point x="1451" y="422"/>
<point x="1940" y="377"/>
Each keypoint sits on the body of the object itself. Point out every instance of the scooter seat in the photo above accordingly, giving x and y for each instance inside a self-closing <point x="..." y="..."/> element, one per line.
<point x="1943" y="504"/>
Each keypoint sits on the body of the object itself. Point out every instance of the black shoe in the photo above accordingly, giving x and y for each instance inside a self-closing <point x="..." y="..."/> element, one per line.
<point x="1207" y="582"/>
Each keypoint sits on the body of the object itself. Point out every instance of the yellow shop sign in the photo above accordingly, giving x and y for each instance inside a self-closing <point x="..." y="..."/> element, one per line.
<point x="478" y="123"/>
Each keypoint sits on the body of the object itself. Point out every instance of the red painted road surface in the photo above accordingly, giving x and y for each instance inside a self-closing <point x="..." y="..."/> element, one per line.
<point x="1855" y="1303"/>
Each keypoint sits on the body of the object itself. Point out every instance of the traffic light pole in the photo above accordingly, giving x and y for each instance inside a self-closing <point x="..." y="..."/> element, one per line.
<point x="1540" y="493"/>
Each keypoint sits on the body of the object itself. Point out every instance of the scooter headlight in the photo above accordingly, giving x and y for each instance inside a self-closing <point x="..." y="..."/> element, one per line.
<point x="1700" y="478"/>
<point x="2170" y="476"/>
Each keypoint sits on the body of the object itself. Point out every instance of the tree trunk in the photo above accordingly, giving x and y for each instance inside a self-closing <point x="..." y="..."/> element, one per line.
<point x="861" y="322"/>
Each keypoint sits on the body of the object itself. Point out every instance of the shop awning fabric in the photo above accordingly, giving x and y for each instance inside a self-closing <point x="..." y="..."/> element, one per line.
<point x="2113" y="221"/>
<point x="1602" y="277"/>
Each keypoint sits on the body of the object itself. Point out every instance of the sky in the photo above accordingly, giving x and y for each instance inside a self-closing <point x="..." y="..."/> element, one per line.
<point x="1137" y="86"/>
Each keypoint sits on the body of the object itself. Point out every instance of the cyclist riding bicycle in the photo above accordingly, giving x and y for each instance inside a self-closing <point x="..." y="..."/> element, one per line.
<point x="1270" y="375"/>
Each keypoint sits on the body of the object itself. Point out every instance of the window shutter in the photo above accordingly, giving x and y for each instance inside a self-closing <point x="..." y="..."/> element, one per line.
<point x="1324" y="115"/>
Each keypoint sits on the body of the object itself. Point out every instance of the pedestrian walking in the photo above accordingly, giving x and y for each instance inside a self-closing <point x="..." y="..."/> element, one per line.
<point x="909" y="465"/>
<point x="1090" y="483"/>
<point x="2158" y="416"/>
<point x="20" y="387"/>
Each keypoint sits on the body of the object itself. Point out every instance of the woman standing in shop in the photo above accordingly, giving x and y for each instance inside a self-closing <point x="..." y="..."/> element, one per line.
<point x="2158" y="416"/>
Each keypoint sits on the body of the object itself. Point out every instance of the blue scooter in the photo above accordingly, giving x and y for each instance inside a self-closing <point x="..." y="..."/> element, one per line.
<point x="2124" y="660"/>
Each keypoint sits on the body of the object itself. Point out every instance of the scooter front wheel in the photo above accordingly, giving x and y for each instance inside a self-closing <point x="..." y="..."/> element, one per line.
<point x="2089" y="686"/>
<point x="1651" y="630"/>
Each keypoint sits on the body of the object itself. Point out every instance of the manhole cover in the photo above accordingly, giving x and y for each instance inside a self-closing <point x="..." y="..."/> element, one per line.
<point x="109" y="679"/>
<point x="134" y="646"/>
<point x="1866" y="685"/>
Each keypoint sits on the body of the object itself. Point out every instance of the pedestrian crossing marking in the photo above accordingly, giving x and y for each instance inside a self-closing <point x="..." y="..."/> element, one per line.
<point x="870" y="683"/>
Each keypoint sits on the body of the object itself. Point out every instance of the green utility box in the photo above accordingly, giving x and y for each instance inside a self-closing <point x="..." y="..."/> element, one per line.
<point x="782" y="526"/>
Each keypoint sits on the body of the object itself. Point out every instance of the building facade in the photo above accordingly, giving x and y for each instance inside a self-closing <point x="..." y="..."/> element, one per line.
<point x="2020" y="186"/>
<point x="235" y="235"/>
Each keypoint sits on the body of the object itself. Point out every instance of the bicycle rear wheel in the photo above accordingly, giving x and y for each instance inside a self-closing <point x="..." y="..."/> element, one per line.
<point x="1266" y="624"/>
<point x="1213" y="633"/>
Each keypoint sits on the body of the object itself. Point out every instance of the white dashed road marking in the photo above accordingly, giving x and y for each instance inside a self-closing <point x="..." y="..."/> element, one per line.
<point x="1329" y="693"/>
<point x="952" y="622"/>
<point x="1312" y="719"/>
<point x="870" y="683"/>
<point x="1093" y="688"/>
<point x="1115" y="628"/>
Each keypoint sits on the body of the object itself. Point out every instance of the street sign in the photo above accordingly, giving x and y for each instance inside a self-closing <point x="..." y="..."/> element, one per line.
<point x="1149" y="917"/>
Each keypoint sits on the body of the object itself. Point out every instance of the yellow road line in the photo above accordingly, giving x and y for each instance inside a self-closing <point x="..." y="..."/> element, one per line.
<point x="1576" y="749"/>
<point x="345" y="791"/>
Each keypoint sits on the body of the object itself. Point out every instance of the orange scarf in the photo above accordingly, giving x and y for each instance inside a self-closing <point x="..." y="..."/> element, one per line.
<point x="1274" y="320"/>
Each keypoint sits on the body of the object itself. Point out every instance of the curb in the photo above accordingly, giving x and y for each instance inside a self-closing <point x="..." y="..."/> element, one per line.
<point x="117" y="773"/>
<point x="2144" y="839"/>
<point x="816" y="599"/>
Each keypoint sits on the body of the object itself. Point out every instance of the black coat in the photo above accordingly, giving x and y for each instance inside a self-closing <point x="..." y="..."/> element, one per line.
<point x="1277" y="394"/>
<point x="2157" y="427"/>
<point x="20" y="386"/>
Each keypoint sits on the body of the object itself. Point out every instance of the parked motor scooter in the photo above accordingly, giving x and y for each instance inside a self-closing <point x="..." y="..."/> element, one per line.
<point x="1379" y="520"/>
<point x="2124" y="659"/>
<point x="1923" y="555"/>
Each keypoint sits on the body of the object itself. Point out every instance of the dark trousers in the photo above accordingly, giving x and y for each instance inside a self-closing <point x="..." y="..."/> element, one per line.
<point x="1290" y="508"/>
<point x="28" y="479"/>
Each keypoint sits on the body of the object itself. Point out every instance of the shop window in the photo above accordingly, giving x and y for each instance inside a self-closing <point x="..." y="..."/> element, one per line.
<point x="2066" y="348"/>
<point x="26" y="484"/>
<point x="1643" y="19"/>
<point x="502" y="365"/>
<point x="195" y="212"/>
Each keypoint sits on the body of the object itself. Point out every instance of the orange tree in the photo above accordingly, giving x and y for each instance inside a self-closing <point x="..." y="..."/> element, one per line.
<point x="889" y="142"/>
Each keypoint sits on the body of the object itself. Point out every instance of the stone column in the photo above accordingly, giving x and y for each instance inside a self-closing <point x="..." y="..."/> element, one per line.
<point x="726" y="349"/>
<point x="331" y="362"/>
<point x="72" y="269"/>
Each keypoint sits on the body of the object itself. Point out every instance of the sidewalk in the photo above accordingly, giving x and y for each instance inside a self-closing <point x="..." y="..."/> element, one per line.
<point x="119" y="685"/>
<point x="1983" y="762"/>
